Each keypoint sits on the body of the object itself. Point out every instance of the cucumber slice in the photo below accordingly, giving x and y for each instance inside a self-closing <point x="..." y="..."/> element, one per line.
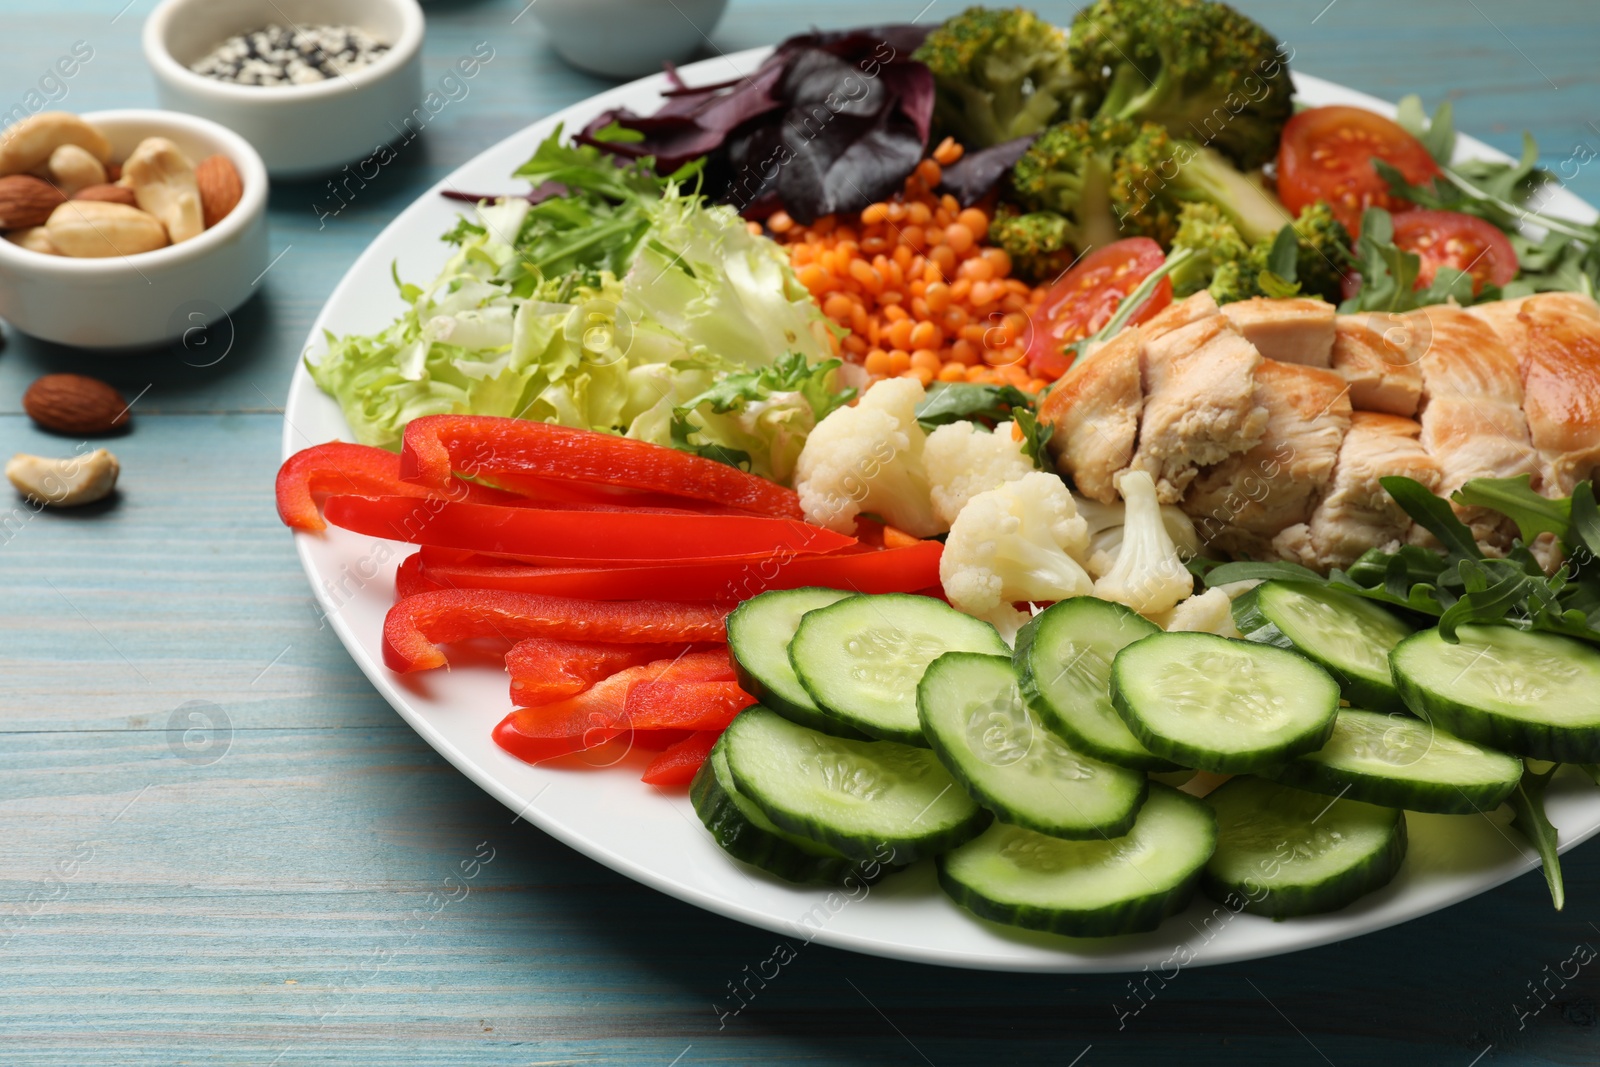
<point x="861" y="659"/>
<point x="746" y="834"/>
<point x="1282" y="852"/>
<point x="1118" y="885"/>
<point x="1402" y="762"/>
<point x="1532" y="694"/>
<point x="1063" y="662"/>
<point x="1219" y="704"/>
<point x="993" y="745"/>
<point x="1348" y="636"/>
<point x="759" y="632"/>
<point x="870" y="800"/>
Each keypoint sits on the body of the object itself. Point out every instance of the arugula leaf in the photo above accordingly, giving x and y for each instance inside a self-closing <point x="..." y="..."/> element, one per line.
<point x="1281" y="277"/>
<point x="1515" y="499"/>
<point x="1251" y="570"/>
<point x="1529" y="819"/>
<point x="681" y="430"/>
<point x="1035" y="438"/>
<point x="968" y="401"/>
<point x="1583" y="533"/>
<point x="1432" y="514"/>
<point x="1437" y="135"/>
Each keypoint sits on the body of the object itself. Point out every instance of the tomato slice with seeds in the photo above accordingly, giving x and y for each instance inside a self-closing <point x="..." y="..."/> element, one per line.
<point x="1451" y="239"/>
<point x="1087" y="296"/>
<point x="1326" y="154"/>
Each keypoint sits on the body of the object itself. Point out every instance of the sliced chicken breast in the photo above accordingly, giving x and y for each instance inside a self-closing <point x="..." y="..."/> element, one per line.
<point x="1240" y="504"/>
<point x="1176" y="316"/>
<point x="1356" y="513"/>
<point x="1094" y="411"/>
<point x="1200" y="405"/>
<point x="1471" y="412"/>
<point x="1373" y="353"/>
<point x="1297" y="330"/>
<point x="1556" y="339"/>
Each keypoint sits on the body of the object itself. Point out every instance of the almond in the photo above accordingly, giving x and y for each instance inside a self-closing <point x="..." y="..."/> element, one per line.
<point x="113" y="171"/>
<point x="75" y="404"/>
<point x="113" y="194"/>
<point x="220" y="187"/>
<point x="26" y="201"/>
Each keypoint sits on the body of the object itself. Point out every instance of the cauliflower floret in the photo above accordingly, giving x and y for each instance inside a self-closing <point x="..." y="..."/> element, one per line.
<point x="869" y="458"/>
<point x="1210" y="612"/>
<point x="1020" y="542"/>
<point x="1148" y="575"/>
<point x="1105" y="534"/>
<point x="964" y="460"/>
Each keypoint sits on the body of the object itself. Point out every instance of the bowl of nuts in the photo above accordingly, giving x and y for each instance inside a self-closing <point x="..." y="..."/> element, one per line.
<point x="312" y="84"/>
<point x="127" y="229"/>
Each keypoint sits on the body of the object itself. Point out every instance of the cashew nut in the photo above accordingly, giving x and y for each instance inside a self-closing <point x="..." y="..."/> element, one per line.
<point x="29" y="143"/>
<point x="64" y="483"/>
<point x="35" y="239"/>
<point x="96" y="229"/>
<point x="73" y="168"/>
<point x="162" y="178"/>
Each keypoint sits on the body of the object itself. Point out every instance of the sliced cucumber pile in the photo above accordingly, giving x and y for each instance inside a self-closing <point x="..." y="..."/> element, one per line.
<point x="975" y="720"/>
<point x="1219" y="704"/>
<point x="759" y="632"/>
<point x="1063" y="661"/>
<point x="747" y="834"/>
<point x="1348" y="636"/>
<point x="1403" y="762"/>
<point x="861" y="659"/>
<point x="1532" y="694"/>
<point x="1283" y="852"/>
<point x="869" y="800"/>
<point x="1118" y="885"/>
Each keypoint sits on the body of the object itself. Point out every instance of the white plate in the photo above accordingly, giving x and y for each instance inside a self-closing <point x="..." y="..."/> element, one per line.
<point x="609" y="815"/>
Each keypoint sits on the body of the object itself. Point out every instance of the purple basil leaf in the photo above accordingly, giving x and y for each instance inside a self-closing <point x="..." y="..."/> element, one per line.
<point x="971" y="178"/>
<point x="818" y="83"/>
<point x="849" y="164"/>
<point x="539" y="194"/>
<point x="913" y="84"/>
<point x="888" y="44"/>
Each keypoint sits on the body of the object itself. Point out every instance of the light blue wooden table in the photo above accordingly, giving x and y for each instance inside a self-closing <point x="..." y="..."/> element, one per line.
<point x="281" y="897"/>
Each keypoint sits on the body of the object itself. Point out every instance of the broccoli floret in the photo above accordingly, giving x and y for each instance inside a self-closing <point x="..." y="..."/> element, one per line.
<point x="1324" y="253"/>
<point x="1110" y="178"/>
<point x="1219" y="251"/>
<point x="1101" y="176"/>
<point x="1039" y="242"/>
<point x="1199" y="68"/>
<point x="998" y="74"/>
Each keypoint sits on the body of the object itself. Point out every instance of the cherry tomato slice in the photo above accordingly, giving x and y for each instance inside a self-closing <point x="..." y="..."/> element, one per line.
<point x="1451" y="239"/>
<point x="1087" y="296"/>
<point x="1327" y="152"/>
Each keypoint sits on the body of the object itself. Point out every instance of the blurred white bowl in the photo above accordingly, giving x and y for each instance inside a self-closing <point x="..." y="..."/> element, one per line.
<point x="627" y="38"/>
<point x="152" y="298"/>
<point x="300" y="130"/>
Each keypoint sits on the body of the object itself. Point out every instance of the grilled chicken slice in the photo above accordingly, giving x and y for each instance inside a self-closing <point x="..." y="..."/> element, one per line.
<point x="1556" y="339"/>
<point x="1471" y="412"/>
<point x="1176" y="316"/>
<point x="1095" y="408"/>
<point x="1094" y="411"/>
<point x="1241" y="503"/>
<point x="1298" y="330"/>
<point x="1356" y="513"/>
<point x="1373" y="353"/>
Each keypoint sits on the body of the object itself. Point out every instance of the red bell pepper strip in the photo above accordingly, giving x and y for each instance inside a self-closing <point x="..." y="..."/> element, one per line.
<point x="410" y="579"/>
<point x="416" y="625"/>
<point x="600" y="713"/>
<point x="581" y="534"/>
<point x="657" y="740"/>
<point x="340" y="467"/>
<point x="679" y="764"/>
<point x="893" y="570"/>
<point x="687" y="706"/>
<point x="546" y="669"/>
<point x="436" y="445"/>
<point x="558" y="492"/>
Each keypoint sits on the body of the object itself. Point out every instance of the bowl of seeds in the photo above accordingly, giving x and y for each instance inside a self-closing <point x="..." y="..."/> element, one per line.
<point x="312" y="84"/>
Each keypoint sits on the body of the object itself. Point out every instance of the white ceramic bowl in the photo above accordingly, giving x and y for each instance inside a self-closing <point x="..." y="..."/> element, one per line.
<point x="300" y="130"/>
<point x="155" y="297"/>
<point x="627" y="38"/>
